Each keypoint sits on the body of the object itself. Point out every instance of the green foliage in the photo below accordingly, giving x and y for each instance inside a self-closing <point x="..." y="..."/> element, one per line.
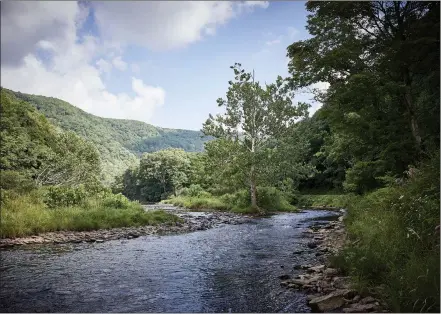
<point x="119" y="142"/>
<point x="268" y="198"/>
<point x="25" y="215"/>
<point x="34" y="149"/>
<point x="26" y="137"/>
<point x="255" y="117"/>
<point x="14" y="180"/>
<point x="272" y="199"/>
<point x="395" y="244"/>
<point x="238" y="201"/>
<point x="74" y="161"/>
<point x="364" y="176"/>
<point x="205" y="203"/>
<point x="382" y="105"/>
<point x="64" y="196"/>
<point x="325" y="200"/>
<point x="194" y="190"/>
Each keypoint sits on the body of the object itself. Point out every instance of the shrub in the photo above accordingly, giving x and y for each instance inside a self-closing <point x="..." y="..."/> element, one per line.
<point x="364" y="176"/>
<point x="65" y="196"/>
<point x="116" y="201"/>
<point x="239" y="201"/>
<point x="268" y="198"/>
<point x="202" y="202"/>
<point x="394" y="242"/>
<point x="13" y="180"/>
<point x="28" y="215"/>
<point x="331" y="200"/>
<point x="272" y="199"/>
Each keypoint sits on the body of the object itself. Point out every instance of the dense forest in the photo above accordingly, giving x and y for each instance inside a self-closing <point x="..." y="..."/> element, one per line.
<point x="373" y="148"/>
<point x="120" y="142"/>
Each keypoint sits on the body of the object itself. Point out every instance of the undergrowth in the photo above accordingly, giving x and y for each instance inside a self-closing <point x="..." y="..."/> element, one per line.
<point x="28" y="214"/>
<point x="268" y="198"/>
<point x="393" y="248"/>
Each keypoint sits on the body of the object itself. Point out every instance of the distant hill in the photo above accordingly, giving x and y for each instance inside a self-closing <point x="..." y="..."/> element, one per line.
<point x="120" y="142"/>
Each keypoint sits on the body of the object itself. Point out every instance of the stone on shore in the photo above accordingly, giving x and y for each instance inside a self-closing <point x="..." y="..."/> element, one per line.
<point x="331" y="301"/>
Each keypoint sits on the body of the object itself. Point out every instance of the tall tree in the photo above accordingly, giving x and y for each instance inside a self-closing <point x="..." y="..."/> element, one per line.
<point x="254" y="117"/>
<point x="393" y="45"/>
<point x="169" y="167"/>
<point x="381" y="60"/>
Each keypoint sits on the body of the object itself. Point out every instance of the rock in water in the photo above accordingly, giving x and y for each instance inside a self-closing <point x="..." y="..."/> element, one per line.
<point x="284" y="277"/>
<point x="312" y="245"/>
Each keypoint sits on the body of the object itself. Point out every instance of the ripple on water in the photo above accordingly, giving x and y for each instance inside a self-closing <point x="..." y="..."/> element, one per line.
<point x="230" y="268"/>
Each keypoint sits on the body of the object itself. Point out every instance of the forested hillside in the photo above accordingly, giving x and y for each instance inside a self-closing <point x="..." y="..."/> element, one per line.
<point x="119" y="142"/>
<point x="50" y="179"/>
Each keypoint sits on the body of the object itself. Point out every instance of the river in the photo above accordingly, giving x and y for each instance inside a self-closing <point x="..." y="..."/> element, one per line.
<point x="230" y="268"/>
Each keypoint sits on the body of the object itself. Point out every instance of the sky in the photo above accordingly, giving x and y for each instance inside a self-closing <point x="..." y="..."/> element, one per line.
<point x="160" y="62"/>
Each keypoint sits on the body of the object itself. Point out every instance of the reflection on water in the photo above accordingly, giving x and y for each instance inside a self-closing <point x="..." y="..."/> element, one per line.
<point x="232" y="268"/>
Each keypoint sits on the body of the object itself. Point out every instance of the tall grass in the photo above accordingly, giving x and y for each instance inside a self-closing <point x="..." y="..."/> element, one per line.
<point x="394" y="248"/>
<point x="268" y="198"/>
<point x="329" y="200"/>
<point x="26" y="215"/>
<point x="198" y="202"/>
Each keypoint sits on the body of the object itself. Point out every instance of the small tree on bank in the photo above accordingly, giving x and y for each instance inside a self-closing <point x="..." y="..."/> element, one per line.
<point x="254" y="117"/>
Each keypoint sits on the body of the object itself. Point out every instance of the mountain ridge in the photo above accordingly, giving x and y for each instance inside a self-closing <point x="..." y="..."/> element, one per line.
<point x="120" y="142"/>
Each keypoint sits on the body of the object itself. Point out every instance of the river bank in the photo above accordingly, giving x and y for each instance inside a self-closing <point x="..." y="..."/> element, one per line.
<point x="189" y="222"/>
<point x="329" y="290"/>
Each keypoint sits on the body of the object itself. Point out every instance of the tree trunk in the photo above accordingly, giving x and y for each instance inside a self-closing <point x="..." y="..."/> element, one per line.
<point x="413" y="121"/>
<point x="411" y="110"/>
<point x="253" y="188"/>
<point x="408" y="81"/>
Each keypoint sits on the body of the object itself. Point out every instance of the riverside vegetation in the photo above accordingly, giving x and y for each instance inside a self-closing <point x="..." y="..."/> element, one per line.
<point x="49" y="179"/>
<point x="372" y="148"/>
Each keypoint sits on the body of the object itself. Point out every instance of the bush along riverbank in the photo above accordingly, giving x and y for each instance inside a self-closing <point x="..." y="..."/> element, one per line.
<point x="71" y="209"/>
<point x="269" y="200"/>
<point x="327" y="287"/>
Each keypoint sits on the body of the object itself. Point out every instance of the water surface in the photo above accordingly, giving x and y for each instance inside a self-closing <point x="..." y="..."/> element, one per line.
<point x="231" y="268"/>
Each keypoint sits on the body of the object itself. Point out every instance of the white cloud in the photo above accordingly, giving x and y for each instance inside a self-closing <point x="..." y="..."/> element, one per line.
<point x="273" y="42"/>
<point x="119" y="63"/>
<point x="104" y="66"/>
<point x="26" y="23"/>
<point x="262" y="4"/>
<point x="162" y="25"/>
<point x="72" y="74"/>
<point x="83" y="87"/>
<point x="75" y="67"/>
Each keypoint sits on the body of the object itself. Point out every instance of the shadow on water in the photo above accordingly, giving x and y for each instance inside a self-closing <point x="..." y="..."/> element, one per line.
<point x="232" y="268"/>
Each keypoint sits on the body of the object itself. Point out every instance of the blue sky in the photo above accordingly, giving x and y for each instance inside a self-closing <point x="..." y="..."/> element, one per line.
<point x="164" y="64"/>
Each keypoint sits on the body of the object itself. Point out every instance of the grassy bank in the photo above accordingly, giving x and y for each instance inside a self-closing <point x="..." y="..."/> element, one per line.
<point x="326" y="200"/>
<point x="394" y="246"/>
<point x="269" y="199"/>
<point x="25" y="215"/>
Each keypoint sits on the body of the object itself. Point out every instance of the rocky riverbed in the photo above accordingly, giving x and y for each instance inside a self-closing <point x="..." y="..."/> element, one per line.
<point x="328" y="290"/>
<point x="191" y="221"/>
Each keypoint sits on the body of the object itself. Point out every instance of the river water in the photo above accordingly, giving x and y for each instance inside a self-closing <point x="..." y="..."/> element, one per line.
<point x="230" y="268"/>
